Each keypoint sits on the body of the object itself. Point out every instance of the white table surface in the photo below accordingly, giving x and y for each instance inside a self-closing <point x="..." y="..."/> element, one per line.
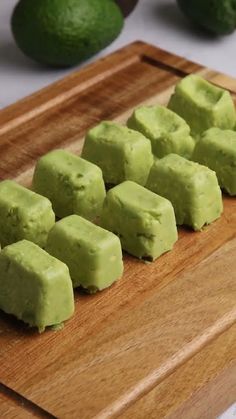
<point x="156" y="21"/>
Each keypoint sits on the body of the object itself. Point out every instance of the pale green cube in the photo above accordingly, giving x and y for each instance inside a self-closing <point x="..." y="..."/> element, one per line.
<point x="121" y="153"/>
<point x="166" y="130"/>
<point x="73" y="185"/>
<point x="34" y="286"/>
<point x="202" y="104"/>
<point x="144" y="221"/>
<point x="93" y="255"/>
<point x="23" y="215"/>
<point x="216" y="149"/>
<point x="192" y="189"/>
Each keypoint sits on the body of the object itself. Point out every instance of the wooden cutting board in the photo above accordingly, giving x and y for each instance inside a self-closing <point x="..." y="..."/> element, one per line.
<point x="161" y="343"/>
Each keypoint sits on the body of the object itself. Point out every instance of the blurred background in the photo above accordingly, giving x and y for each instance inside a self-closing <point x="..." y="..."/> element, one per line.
<point x="159" y="22"/>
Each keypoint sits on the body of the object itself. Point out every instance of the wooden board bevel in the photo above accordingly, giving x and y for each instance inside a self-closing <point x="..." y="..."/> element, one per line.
<point x="128" y="343"/>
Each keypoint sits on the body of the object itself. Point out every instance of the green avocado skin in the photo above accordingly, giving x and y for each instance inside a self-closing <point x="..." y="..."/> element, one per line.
<point x="34" y="286"/>
<point x="64" y="32"/>
<point x="217" y="16"/>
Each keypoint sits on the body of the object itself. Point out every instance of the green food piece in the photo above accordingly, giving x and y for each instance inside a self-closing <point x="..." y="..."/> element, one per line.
<point x="121" y="153"/>
<point x="93" y="255"/>
<point x="34" y="286"/>
<point x="192" y="189"/>
<point x="144" y="221"/>
<point x="73" y="185"/>
<point x="216" y="149"/>
<point x="167" y="131"/>
<point x="64" y="32"/>
<point x="202" y="105"/>
<point x="217" y="16"/>
<point x="23" y="215"/>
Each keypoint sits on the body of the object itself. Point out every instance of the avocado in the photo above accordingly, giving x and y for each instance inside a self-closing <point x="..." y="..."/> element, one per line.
<point x="217" y="16"/>
<point x="62" y="33"/>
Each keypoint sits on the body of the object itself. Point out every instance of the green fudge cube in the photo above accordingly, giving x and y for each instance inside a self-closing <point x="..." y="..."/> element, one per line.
<point x="121" y="153"/>
<point x="144" y="221"/>
<point x="166" y="130"/>
<point x="34" y="286"/>
<point x="216" y="149"/>
<point x="23" y="215"/>
<point x="73" y="185"/>
<point x="193" y="190"/>
<point x="202" y="105"/>
<point x="93" y="255"/>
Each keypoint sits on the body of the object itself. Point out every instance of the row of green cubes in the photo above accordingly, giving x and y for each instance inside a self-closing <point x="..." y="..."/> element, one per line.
<point x="36" y="285"/>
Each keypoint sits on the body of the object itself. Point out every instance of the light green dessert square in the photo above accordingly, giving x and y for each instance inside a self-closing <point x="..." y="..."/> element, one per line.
<point x="73" y="185"/>
<point x="93" y="255"/>
<point x="23" y="215"/>
<point x="166" y="130"/>
<point x="192" y="189"/>
<point x="216" y="149"/>
<point x="144" y="221"/>
<point x="202" y="105"/>
<point x="34" y="286"/>
<point x="121" y="153"/>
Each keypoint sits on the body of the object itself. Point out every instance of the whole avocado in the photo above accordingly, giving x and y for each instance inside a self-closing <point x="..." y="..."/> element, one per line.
<point x="62" y="33"/>
<point x="217" y="16"/>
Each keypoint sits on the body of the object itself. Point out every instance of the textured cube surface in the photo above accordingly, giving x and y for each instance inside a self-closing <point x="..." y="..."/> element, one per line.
<point x="193" y="190"/>
<point x="73" y="185"/>
<point x="121" y="153"/>
<point x="34" y="286"/>
<point x="144" y="221"/>
<point x="202" y="105"/>
<point x="166" y="130"/>
<point x="93" y="255"/>
<point x="23" y="215"/>
<point x="216" y="149"/>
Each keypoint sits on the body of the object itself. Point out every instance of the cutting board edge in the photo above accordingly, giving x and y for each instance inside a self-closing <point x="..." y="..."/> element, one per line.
<point x="202" y="390"/>
<point x="132" y="59"/>
<point x="39" y="411"/>
<point x="54" y="94"/>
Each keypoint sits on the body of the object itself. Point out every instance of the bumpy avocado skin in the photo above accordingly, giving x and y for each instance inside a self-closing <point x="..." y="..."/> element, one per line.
<point x="64" y="32"/>
<point x="217" y="16"/>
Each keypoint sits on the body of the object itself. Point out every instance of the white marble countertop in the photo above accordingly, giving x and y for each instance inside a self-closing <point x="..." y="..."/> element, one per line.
<point x="155" y="21"/>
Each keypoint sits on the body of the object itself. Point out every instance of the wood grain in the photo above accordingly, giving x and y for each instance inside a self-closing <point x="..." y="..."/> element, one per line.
<point x="14" y="406"/>
<point x="10" y="410"/>
<point x="58" y="115"/>
<point x="132" y="350"/>
<point x="190" y="391"/>
<point x="159" y="320"/>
